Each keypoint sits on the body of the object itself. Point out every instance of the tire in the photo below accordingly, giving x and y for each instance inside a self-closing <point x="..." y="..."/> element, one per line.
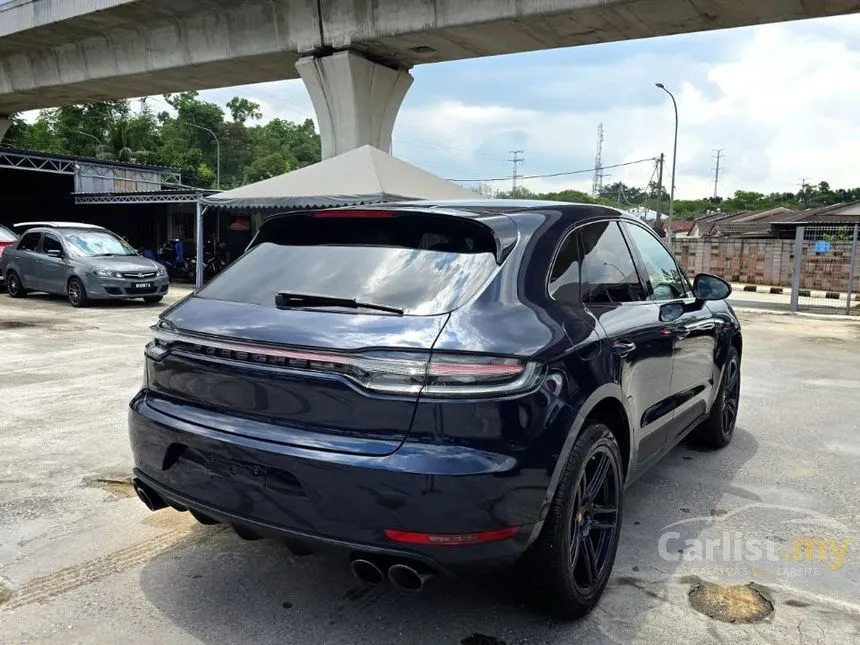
<point x="77" y="293"/>
<point x="152" y="300"/>
<point x="718" y="429"/>
<point x="14" y="286"/>
<point x="558" y="562"/>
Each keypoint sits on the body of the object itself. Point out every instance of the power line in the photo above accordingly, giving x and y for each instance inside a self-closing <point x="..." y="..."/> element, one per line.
<point x="559" y="174"/>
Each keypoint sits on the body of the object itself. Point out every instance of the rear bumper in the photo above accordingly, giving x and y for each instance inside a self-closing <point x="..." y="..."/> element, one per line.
<point x="341" y="501"/>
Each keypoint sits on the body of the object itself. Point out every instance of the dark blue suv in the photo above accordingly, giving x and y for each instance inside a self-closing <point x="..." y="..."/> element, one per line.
<point x="437" y="388"/>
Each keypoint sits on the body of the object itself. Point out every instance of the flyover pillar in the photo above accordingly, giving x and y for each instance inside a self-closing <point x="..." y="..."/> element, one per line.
<point x="5" y="122"/>
<point x="356" y="100"/>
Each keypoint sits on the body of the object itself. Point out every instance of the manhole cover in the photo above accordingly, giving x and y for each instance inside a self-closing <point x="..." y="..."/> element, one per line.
<point x="730" y="604"/>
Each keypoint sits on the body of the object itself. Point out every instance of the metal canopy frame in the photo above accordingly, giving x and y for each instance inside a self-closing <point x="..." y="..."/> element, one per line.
<point x="165" y="197"/>
<point x="37" y="163"/>
<point x="65" y="166"/>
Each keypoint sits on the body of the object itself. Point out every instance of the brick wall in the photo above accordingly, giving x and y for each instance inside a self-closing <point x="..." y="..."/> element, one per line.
<point x="767" y="262"/>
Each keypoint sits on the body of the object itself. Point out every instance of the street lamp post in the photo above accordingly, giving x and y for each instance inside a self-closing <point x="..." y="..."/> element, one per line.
<point x="91" y="136"/>
<point x="217" y="152"/>
<point x="674" y="162"/>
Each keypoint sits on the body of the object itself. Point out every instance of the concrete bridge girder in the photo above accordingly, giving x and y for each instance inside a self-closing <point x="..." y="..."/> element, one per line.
<point x="57" y="52"/>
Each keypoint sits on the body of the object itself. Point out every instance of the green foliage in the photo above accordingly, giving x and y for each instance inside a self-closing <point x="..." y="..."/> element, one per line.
<point x="563" y="196"/>
<point x="621" y="195"/>
<point x="265" y="167"/>
<point x="242" y="109"/>
<point x="180" y="139"/>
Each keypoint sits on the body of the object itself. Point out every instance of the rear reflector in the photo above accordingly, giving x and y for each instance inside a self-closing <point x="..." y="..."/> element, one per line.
<point x="354" y="214"/>
<point x="481" y="537"/>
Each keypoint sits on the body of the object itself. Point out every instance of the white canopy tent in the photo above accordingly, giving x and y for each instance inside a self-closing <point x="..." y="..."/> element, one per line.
<point x="365" y="175"/>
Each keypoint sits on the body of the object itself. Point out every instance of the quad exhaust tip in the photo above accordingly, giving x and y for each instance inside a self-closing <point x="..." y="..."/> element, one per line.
<point x="149" y="497"/>
<point x="367" y="571"/>
<point x="407" y="578"/>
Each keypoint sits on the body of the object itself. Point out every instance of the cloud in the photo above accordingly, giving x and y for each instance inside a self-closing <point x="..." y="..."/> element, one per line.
<point x="781" y="100"/>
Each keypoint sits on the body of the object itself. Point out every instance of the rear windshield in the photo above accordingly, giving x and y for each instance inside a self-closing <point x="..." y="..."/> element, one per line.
<point x="422" y="265"/>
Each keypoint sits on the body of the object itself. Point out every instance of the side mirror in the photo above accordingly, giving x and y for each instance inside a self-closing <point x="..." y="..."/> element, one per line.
<point x="710" y="287"/>
<point x="55" y="253"/>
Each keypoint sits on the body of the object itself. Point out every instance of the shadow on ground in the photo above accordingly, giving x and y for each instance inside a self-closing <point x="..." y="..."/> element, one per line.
<point x="227" y="590"/>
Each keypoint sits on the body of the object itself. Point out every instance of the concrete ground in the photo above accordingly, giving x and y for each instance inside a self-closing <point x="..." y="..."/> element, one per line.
<point x="81" y="561"/>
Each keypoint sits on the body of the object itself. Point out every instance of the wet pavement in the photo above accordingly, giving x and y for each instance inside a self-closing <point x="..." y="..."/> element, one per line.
<point x="82" y="561"/>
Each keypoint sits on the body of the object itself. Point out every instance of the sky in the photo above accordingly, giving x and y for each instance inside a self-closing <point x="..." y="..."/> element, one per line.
<point x="782" y="102"/>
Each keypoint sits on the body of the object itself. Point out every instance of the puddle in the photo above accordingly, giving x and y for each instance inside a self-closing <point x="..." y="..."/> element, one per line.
<point x="730" y="604"/>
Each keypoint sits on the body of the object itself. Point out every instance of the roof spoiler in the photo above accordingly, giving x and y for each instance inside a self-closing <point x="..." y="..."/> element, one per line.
<point x="500" y="226"/>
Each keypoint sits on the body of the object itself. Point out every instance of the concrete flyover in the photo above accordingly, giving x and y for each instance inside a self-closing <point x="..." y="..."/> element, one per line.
<point x="57" y="52"/>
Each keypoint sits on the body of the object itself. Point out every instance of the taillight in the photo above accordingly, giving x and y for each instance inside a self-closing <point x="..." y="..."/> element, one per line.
<point x="459" y="375"/>
<point x="394" y="372"/>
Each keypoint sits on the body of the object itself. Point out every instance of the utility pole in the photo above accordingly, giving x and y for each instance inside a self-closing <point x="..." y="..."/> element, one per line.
<point x="516" y="160"/>
<point x="597" y="181"/>
<point x="803" y="185"/>
<point x="660" y="163"/>
<point x="719" y="152"/>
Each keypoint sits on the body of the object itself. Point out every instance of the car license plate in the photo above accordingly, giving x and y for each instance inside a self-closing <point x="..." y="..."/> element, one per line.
<point x="144" y="285"/>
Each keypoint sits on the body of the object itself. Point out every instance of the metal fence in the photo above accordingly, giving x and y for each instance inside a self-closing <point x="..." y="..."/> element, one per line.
<point x="825" y="270"/>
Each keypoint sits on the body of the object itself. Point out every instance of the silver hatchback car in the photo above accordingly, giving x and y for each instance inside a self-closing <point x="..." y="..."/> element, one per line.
<point x="81" y="261"/>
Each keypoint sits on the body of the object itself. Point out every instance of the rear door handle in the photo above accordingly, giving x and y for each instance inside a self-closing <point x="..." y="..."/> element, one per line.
<point x="623" y="347"/>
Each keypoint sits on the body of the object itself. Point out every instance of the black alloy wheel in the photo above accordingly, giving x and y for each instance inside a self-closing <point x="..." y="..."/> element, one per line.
<point x="569" y="564"/>
<point x="594" y="520"/>
<point x="717" y="430"/>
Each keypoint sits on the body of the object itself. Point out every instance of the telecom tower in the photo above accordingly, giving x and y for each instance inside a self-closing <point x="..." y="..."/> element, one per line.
<point x="597" y="183"/>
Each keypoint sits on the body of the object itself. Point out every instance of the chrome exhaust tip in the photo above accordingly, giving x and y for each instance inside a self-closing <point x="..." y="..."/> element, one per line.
<point x="407" y="578"/>
<point x="366" y="571"/>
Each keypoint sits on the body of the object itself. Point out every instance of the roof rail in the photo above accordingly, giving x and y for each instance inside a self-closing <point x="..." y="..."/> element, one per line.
<point x="55" y="225"/>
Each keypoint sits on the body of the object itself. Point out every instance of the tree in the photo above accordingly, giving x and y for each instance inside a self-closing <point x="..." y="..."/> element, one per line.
<point x="265" y="167"/>
<point x="622" y="194"/>
<point x="242" y="109"/>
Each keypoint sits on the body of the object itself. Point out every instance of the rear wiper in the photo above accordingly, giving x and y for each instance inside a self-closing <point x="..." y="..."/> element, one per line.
<point x="287" y="300"/>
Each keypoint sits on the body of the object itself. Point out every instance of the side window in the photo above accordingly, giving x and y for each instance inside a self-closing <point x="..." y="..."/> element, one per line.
<point x="608" y="273"/>
<point x="665" y="278"/>
<point x="29" y="242"/>
<point x="564" y="277"/>
<point x="51" y="243"/>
